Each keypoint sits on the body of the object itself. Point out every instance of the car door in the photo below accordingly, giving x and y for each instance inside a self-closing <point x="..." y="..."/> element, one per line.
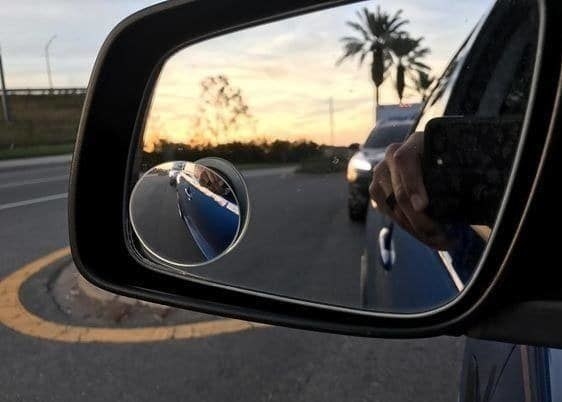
<point x="211" y="218"/>
<point x="488" y="77"/>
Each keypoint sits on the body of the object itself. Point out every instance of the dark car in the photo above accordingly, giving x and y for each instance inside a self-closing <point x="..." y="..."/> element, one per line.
<point x="211" y="214"/>
<point x="361" y="164"/>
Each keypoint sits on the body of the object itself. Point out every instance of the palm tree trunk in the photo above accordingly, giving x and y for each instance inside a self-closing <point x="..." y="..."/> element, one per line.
<point x="375" y="103"/>
<point x="400" y="80"/>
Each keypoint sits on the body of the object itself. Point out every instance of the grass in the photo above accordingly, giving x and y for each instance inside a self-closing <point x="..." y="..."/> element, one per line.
<point x="37" y="150"/>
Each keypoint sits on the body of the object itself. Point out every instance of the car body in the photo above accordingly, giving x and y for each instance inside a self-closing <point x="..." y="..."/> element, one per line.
<point x="213" y="220"/>
<point x="360" y="166"/>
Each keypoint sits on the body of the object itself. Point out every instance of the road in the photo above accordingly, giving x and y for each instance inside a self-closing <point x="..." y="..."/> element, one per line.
<point x="155" y="214"/>
<point x="268" y="364"/>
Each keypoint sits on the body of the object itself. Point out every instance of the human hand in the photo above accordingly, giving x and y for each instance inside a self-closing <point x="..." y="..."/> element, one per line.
<point x="398" y="190"/>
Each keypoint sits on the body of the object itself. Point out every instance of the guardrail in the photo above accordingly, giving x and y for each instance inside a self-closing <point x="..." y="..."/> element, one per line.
<point x="44" y="91"/>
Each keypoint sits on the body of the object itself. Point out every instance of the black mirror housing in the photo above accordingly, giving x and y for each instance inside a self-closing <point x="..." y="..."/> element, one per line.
<point x="108" y="139"/>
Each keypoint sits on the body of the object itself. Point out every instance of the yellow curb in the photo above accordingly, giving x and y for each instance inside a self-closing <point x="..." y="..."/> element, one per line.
<point x="15" y="316"/>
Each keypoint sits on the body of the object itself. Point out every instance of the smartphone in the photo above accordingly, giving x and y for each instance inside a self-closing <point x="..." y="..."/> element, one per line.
<point x="466" y="165"/>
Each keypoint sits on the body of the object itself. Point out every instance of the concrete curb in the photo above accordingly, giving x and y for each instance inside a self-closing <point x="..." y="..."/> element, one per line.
<point x="11" y="164"/>
<point x="103" y="296"/>
<point x="14" y="315"/>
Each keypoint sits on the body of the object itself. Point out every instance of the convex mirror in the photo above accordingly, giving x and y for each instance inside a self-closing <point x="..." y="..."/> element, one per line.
<point x="184" y="213"/>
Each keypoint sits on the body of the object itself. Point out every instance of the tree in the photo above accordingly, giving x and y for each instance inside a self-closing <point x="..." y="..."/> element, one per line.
<point x="376" y="30"/>
<point x="422" y="83"/>
<point x="221" y="110"/>
<point x="407" y="53"/>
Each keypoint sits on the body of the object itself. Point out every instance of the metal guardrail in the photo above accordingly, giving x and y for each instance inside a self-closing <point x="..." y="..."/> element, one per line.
<point x="44" y="91"/>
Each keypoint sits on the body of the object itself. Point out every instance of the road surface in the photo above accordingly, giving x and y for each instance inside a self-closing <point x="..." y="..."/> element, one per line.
<point x="269" y="364"/>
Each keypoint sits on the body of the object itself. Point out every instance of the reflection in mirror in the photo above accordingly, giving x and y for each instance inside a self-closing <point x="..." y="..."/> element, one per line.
<point x="375" y="144"/>
<point x="184" y="213"/>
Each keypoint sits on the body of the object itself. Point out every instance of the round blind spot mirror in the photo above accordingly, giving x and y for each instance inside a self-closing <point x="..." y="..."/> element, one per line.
<point x="185" y="214"/>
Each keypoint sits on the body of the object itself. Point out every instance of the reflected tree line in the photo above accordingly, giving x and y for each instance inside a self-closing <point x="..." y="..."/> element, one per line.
<point x="223" y="114"/>
<point x="278" y="151"/>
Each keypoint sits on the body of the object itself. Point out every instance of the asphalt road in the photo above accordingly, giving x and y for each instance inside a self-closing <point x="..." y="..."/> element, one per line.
<point x="155" y="214"/>
<point x="269" y="364"/>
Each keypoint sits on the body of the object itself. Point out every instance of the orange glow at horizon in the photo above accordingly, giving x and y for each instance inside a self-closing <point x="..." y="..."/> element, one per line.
<point x="287" y="74"/>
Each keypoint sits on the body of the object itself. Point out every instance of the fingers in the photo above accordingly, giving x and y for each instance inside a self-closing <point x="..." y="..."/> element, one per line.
<point x="380" y="189"/>
<point x="400" y="174"/>
<point x="407" y="159"/>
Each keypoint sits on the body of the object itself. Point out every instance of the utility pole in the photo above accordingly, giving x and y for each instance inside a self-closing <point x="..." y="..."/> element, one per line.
<point x="48" y="61"/>
<point x="5" y="106"/>
<point x="331" y="107"/>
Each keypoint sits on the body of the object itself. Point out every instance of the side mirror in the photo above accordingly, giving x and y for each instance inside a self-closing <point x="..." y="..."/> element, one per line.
<point x="223" y="155"/>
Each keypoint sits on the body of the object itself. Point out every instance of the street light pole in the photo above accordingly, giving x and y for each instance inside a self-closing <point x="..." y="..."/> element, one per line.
<point x="48" y="61"/>
<point x="331" y="111"/>
<point x="5" y="106"/>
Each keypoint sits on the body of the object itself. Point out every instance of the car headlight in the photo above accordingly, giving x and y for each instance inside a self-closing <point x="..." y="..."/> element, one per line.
<point x="359" y="163"/>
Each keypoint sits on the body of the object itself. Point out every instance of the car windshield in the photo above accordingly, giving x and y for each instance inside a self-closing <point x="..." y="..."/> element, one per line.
<point x="384" y="135"/>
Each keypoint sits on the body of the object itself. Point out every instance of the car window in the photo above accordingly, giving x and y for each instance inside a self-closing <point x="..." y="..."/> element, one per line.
<point x="383" y="136"/>
<point x="494" y="81"/>
<point x="499" y="68"/>
<point x="437" y="102"/>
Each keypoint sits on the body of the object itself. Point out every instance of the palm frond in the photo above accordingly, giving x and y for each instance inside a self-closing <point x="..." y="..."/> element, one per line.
<point x="418" y="64"/>
<point x="350" y="49"/>
<point x="358" y="27"/>
<point x="362" y="58"/>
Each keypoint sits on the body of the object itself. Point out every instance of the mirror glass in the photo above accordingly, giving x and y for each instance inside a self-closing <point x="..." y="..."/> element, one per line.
<point x="375" y="140"/>
<point x="184" y="213"/>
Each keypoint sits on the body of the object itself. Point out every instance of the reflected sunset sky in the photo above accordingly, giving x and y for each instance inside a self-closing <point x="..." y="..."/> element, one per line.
<point x="287" y="73"/>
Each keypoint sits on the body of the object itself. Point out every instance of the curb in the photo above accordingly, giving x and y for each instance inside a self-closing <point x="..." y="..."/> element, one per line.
<point x="12" y="164"/>
<point x="15" y="316"/>
<point x="103" y="296"/>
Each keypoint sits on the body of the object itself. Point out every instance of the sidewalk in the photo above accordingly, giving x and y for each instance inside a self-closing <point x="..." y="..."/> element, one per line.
<point x="31" y="162"/>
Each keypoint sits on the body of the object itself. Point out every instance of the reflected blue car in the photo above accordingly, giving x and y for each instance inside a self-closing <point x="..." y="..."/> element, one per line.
<point x="213" y="219"/>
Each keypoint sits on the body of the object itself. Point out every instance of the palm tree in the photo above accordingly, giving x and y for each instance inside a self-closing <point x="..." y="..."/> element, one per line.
<point x="407" y="53"/>
<point x="376" y="30"/>
<point x="422" y="83"/>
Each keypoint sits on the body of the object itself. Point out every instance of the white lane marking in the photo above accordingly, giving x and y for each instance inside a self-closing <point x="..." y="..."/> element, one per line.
<point x="268" y="172"/>
<point x="34" y="181"/>
<point x="33" y="201"/>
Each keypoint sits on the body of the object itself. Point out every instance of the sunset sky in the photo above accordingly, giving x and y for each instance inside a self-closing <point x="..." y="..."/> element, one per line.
<point x="287" y="73"/>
